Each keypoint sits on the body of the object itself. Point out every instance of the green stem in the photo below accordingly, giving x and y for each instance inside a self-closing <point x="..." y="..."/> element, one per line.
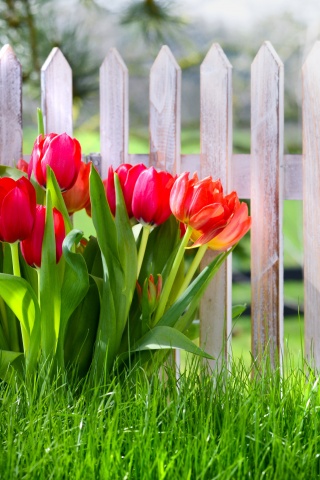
<point x="15" y="259"/>
<point x="40" y="122"/>
<point x="143" y="245"/>
<point x="193" y="268"/>
<point x="172" y="275"/>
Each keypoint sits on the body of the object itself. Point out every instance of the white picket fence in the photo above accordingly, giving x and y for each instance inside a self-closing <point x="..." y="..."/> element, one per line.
<point x="266" y="176"/>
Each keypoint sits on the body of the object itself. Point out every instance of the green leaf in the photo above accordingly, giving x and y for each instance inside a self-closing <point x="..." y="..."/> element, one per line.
<point x="81" y="332"/>
<point x="76" y="278"/>
<point x="51" y="276"/>
<point x="237" y="310"/>
<point x="57" y="198"/>
<point x="180" y="313"/>
<point x="10" y="362"/>
<point x="21" y="299"/>
<point x="127" y="256"/>
<point x="167" y="337"/>
<point x="119" y="259"/>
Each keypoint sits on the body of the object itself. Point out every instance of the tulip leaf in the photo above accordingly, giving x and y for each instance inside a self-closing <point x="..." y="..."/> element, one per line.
<point x="127" y="256"/>
<point x="21" y="299"/>
<point x="237" y="310"/>
<point x="76" y="279"/>
<point x="50" y="285"/>
<point x="81" y="331"/>
<point x="161" y="337"/>
<point x="57" y="198"/>
<point x="10" y="362"/>
<point x="181" y="312"/>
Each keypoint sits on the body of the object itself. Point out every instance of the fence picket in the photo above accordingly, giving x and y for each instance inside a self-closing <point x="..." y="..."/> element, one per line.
<point x="56" y="93"/>
<point x="266" y="203"/>
<point x="165" y="94"/>
<point x="311" y="200"/>
<point x="114" y="111"/>
<point x="215" y="156"/>
<point x="10" y="107"/>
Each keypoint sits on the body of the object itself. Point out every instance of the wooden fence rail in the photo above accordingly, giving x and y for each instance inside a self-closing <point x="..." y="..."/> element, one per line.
<point x="266" y="176"/>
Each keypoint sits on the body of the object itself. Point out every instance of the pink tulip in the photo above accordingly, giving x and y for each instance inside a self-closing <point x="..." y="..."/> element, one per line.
<point x="62" y="153"/>
<point x="150" y="200"/>
<point x="128" y="176"/>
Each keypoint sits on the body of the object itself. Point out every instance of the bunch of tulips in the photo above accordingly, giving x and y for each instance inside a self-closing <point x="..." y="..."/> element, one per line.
<point x="121" y="297"/>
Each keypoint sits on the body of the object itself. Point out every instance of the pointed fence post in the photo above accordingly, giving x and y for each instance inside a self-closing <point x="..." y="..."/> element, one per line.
<point x="215" y="156"/>
<point x="10" y="107"/>
<point x="165" y="114"/>
<point x="114" y="112"/>
<point x="311" y="202"/>
<point x="266" y="204"/>
<point x="56" y="93"/>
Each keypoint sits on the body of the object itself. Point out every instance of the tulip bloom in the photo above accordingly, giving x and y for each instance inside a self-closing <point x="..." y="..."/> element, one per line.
<point x="77" y="197"/>
<point x="62" y="153"/>
<point x="17" y="209"/>
<point x="128" y="176"/>
<point x="31" y="247"/>
<point x="217" y="220"/>
<point x="150" y="200"/>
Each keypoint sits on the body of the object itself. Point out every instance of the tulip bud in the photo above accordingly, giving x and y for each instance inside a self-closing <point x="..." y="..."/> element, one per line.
<point x="62" y="153"/>
<point x="31" y="247"/>
<point x="17" y="209"/>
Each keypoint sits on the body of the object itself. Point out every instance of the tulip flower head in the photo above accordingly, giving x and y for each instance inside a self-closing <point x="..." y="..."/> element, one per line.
<point x="150" y="200"/>
<point x="217" y="220"/>
<point x="128" y="176"/>
<point x="77" y="197"/>
<point x="62" y="153"/>
<point x="31" y="247"/>
<point x="17" y="209"/>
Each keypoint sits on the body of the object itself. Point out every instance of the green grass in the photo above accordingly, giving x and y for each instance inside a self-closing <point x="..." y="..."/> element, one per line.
<point x="227" y="426"/>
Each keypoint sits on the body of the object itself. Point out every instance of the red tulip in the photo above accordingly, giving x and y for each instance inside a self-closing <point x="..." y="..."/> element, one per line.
<point x="150" y="200"/>
<point x="17" y="209"/>
<point x="128" y="176"/>
<point x="77" y="197"/>
<point x="31" y="247"/>
<point x="62" y="153"/>
<point x="217" y="220"/>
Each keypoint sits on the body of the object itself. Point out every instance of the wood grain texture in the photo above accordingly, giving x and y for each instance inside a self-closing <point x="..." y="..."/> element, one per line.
<point x="165" y="112"/>
<point x="10" y="107"/>
<point x="215" y="156"/>
<point x="114" y="111"/>
<point x="56" y="93"/>
<point x="311" y="202"/>
<point x="266" y="204"/>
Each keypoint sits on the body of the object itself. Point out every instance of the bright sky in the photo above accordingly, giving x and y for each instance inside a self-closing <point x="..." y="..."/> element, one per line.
<point x="244" y="12"/>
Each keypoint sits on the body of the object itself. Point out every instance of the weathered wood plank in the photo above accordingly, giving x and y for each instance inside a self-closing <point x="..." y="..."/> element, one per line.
<point x="215" y="156"/>
<point x="266" y="204"/>
<point x="10" y="107"/>
<point x="311" y="201"/>
<point x="56" y="93"/>
<point x="165" y="99"/>
<point x="114" y="111"/>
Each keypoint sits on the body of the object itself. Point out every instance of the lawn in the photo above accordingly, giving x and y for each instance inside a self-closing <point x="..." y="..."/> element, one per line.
<point x="224" y="426"/>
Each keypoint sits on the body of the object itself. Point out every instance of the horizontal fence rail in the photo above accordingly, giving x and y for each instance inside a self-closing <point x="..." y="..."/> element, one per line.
<point x="266" y="176"/>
